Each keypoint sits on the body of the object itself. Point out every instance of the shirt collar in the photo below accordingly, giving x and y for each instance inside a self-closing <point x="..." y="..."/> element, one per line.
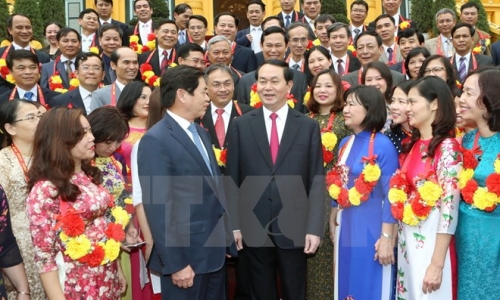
<point x="147" y="23"/>
<point x="396" y="18"/>
<point x="102" y="21"/>
<point x="21" y="92"/>
<point x="84" y="93"/>
<point x="64" y="59"/>
<point x="343" y="58"/>
<point x="119" y="85"/>
<point x="385" y="47"/>
<point x="293" y="62"/>
<point x="309" y="19"/>
<point x="258" y="28"/>
<point x="467" y="57"/>
<point x="88" y="36"/>
<point x="444" y="39"/>
<point x="282" y="112"/>
<point x="17" y="47"/>
<point x="180" y="120"/>
<point x="227" y="109"/>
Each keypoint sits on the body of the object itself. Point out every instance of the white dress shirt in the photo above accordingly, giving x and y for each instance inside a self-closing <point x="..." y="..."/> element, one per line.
<point x="64" y="59"/>
<point x="144" y="30"/>
<point x="335" y="64"/>
<point x="86" y="98"/>
<point x="136" y="183"/>
<point x="393" y="51"/>
<point x="280" y="121"/>
<point x="17" y="47"/>
<point x="310" y="22"/>
<point x="87" y="42"/>
<point x="353" y="34"/>
<point x="292" y="62"/>
<point x="467" y="60"/>
<point x="184" y="125"/>
<point x="119" y="85"/>
<point x="160" y="54"/>
<point x="226" y="116"/>
<point x="34" y="90"/>
<point x="396" y="21"/>
<point x="447" y="45"/>
<point x="109" y="21"/>
<point x="256" y="33"/>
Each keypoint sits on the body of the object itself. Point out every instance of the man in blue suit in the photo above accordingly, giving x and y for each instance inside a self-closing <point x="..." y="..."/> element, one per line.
<point x="250" y="37"/>
<point x="495" y="53"/>
<point x="183" y="195"/>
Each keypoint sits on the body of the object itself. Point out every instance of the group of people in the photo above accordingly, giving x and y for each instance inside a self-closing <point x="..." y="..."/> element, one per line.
<point x="316" y="159"/>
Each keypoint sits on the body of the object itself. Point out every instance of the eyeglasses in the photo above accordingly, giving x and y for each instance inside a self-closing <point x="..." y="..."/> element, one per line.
<point x="198" y="62"/>
<point x="301" y="40"/>
<point x="358" y="11"/>
<point x="218" y="85"/>
<point x="30" y="117"/>
<point x="433" y="70"/>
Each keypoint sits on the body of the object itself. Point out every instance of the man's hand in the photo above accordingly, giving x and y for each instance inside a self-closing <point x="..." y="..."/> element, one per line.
<point x="312" y="243"/>
<point x="238" y="239"/>
<point x="249" y="37"/>
<point x="184" y="278"/>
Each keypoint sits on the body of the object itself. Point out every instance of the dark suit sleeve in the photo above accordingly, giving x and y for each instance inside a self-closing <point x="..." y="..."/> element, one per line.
<point x="242" y="88"/>
<point x="316" y="184"/>
<point x="241" y="39"/>
<point x="233" y="173"/>
<point x="44" y="76"/>
<point x="251" y="63"/>
<point x="154" y="165"/>
<point x="495" y="53"/>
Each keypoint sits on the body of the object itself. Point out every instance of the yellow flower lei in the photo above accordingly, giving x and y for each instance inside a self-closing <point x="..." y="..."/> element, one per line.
<point x="6" y="72"/>
<point x="220" y="156"/>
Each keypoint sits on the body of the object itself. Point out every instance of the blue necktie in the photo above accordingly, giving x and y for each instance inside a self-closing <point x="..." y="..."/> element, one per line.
<point x="182" y="37"/>
<point x="287" y="22"/>
<point x="389" y="56"/>
<point x="197" y="142"/>
<point x="28" y="96"/>
<point x="462" y="70"/>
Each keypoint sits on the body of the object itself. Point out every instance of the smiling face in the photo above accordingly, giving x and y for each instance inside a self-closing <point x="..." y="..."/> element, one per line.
<point x="358" y="14"/>
<point x="255" y="14"/>
<point x="104" y="9"/>
<point x="317" y="62"/>
<point x="69" y="45"/>
<point x="24" y="128"/>
<point x="141" y="106"/>
<point x="444" y="23"/>
<point x="391" y="7"/>
<point x="26" y="73"/>
<point x="85" y="148"/>
<point x="386" y="29"/>
<point x="127" y="65"/>
<point x="374" y="78"/>
<point x="21" y="31"/>
<point x="367" y="49"/>
<point x="51" y="33"/>
<point x="143" y="11"/>
<point x="339" y="40"/>
<point x="325" y="91"/>
<point x="197" y="31"/>
<point x="90" y="73"/>
<point x="167" y="35"/>
<point x="414" y="65"/>
<point x="398" y="107"/>
<point x="226" y="27"/>
<point x="274" y="46"/>
<point x="220" y="88"/>
<point x="469" y="108"/>
<point x="182" y="19"/>
<point x="311" y="8"/>
<point x="420" y="112"/>
<point x="272" y="87"/>
<point x="287" y="5"/>
<point x="407" y="44"/>
<point x="89" y="22"/>
<point x="470" y="16"/>
<point x="354" y="113"/>
<point x="110" y="41"/>
<point x="220" y="52"/>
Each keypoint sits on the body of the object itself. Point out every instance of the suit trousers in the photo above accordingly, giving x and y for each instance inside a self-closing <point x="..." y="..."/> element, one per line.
<point x="263" y="265"/>
<point x="211" y="286"/>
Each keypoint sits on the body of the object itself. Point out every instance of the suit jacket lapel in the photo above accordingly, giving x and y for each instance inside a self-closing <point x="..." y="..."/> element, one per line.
<point x="61" y="67"/>
<point x="155" y="63"/>
<point x="259" y="132"/>
<point x="292" y="125"/>
<point x="208" y="123"/>
<point x="77" y="101"/>
<point x="234" y="114"/>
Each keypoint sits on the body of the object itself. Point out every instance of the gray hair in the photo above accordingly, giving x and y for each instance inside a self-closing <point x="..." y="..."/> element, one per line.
<point x="216" y="39"/>
<point x="220" y="67"/>
<point x="443" y="11"/>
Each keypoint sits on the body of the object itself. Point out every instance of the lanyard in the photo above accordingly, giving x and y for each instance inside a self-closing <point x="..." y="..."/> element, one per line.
<point x="39" y="91"/>
<point x="113" y="94"/>
<point x="330" y="123"/>
<point x="301" y="67"/>
<point x="21" y="161"/>
<point x="369" y="158"/>
<point x="474" y="62"/>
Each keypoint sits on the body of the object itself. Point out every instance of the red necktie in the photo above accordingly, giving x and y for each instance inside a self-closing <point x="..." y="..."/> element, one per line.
<point x="220" y="130"/>
<point x="275" y="143"/>
<point x="340" y="69"/>
<point x="164" y="62"/>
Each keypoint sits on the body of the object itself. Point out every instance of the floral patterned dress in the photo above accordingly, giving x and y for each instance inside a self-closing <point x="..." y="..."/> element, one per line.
<point x="81" y="281"/>
<point x="416" y="243"/>
<point x="134" y="135"/>
<point x="320" y="265"/>
<point x="13" y="181"/>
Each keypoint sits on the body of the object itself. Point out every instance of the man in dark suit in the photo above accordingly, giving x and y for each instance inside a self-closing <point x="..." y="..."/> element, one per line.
<point x="369" y="48"/>
<point x="69" y="41"/>
<point x="269" y="22"/>
<point x="358" y="13"/>
<point x="23" y="66"/>
<point x="105" y="10"/>
<point x="288" y="14"/>
<point x="226" y="24"/>
<point x="165" y="52"/>
<point x="311" y="9"/>
<point x="21" y="32"/>
<point x="464" y="61"/>
<point x="280" y="217"/>
<point x="321" y="25"/>
<point x="183" y="194"/>
<point x="182" y="12"/>
<point x="89" y="23"/>
<point x="250" y="37"/>
<point x="343" y="61"/>
<point x="408" y="40"/>
<point x="469" y="13"/>
<point x="274" y="43"/>
<point x="89" y="71"/>
<point x="219" y="52"/>
<point x="391" y="8"/>
<point x="495" y="53"/>
<point x="145" y="25"/>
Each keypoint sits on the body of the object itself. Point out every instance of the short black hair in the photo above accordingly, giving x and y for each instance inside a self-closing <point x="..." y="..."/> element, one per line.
<point x="226" y="13"/>
<point x="450" y="71"/>
<point x="489" y="97"/>
<point x="107" y="1"/>
<point x="166" y="21"/>
<point x="84" y="56"/>
<point x="106" y="27"/>
<point x="8" y="114"/>
<point x="462" y="24"/>
<point x="409" y="32"/>
<point x="51" y="23"/>
<point x="258" y="2"/>
<point x="282" y="25"/>
<point x="19" y="55"/>
<point x="415" y="52"/>
<point x="370" y="33"/>
<point x="374" y="103"/>
<point x="108" y="124"/>
<point x="128" y="98"/>
<point x="383" y="16"/>
<point x="469" y="5"/>
<point x="199" y="18"/>
<point x="384" y="71"/>
<point x="181" y="77"/>
<point x="181" y="8"/>
<point x="271" y="30"/>
<point x="360" y="2"/>
<point x="185" y="49"/>
<point x="337" y="26"/>
<point x="10" y="20"/>
<point x="323" y="18"/>
<point x="65" y="31"/>
<point x="148" y="1"/>
<point x="295" y="25"/>
<point x="88" y="11"/>
<point x="287" y="72"/>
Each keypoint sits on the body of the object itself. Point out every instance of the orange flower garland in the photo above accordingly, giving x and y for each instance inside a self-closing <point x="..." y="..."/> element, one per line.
<point x="336" y="180"/>
<point x="220" y="156"/>
<point x="255" y="101"/>
<point x="405" y="24"/>
<point x="148" y="75"/>
<point x="138" y="48"/>
<point x="4" y="71"/>
<point x="55" y="83"/>
<point x="483" y="198"/>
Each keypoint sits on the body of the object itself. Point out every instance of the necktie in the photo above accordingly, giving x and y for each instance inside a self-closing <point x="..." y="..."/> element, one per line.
<point x="68" y="70"/>
<point x="220" y="130"/>
<point x="182" y="37"/>
<point x="389" y="54"/>
<point x="164" y="61"/>
<point x="356" y="32"/>
<point x="462" y="70"/>
<point x="340" y="69"/>
<point x="197" y="143"/>
<point x="287" y="21"/>
<point x="105" y="23"/>
<point x="274" y="141"/>
<point x="296" y="67"/>
<point x="112" y="75"/>
<point x="449" y="46"/>
<point x="28" y="96"/>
